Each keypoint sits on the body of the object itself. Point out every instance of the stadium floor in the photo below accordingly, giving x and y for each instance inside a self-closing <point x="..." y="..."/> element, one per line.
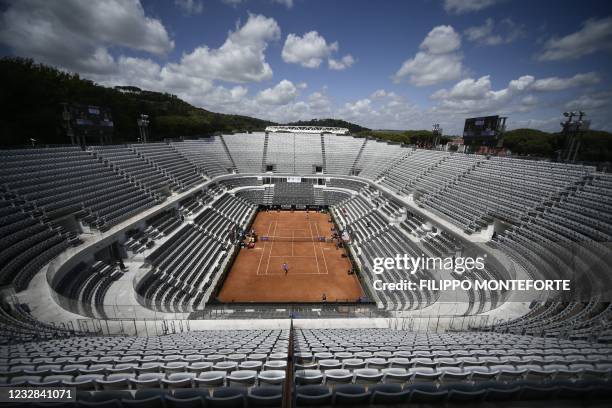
<point x="315" y="268"/>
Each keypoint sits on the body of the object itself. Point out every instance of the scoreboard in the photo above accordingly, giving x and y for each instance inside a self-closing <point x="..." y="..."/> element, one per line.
<point x="486" y="126"/>
<point x="486" y="130"/>
<point x="88" y="123"/>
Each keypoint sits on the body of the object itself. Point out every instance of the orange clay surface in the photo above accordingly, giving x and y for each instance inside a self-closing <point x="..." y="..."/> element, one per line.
<point x="315" y="268"/>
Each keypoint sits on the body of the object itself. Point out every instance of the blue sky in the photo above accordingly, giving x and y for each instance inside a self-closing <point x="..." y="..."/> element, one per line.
<point x="382" y="64"/>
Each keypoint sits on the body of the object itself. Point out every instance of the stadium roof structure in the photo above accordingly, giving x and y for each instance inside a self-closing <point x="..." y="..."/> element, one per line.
<point x="308" y="129"/>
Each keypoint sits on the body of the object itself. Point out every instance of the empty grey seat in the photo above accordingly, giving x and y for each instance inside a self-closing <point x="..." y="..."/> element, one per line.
<point x="58" y="380"/>
<point x="306" y="365"/>
<point x="424" y="374"/>
<point x="171" y="358"/>
<point x="147" y="380"/>
<point x="562" y="371"/>
<point x="21" y="368"/>
<point x="153" y="397"/>
<point x="453" y="374"/>
<point x="538" y="373"/>
<point x="338" y="376"/>
<point x="85" y="381"/>
<point x="199" y="366"/>
<point x="377" y="362"/>
<point x="323" y="356"/>
<point x="313" y="395"/>
<point x="351" y="394"/>
<point x="175" y="367"/>
<point x="396" y="375"/>
<point x="123" y="368"/>
<point x="126" y="359"/>
<point x="116" y="381"/>
<point x="302" y="357"/>
<point x="23" y="380"/>
<point x="226" y="366"/>
<point x="186" y="398"/>
<point x="98" y="368"/>
<point x="241" y="377"/>
<point x="208" y="379"/>
<point x="277" y="356"/>
<point x="270" y="396"/>
<point x="343" y="355"/>
<point x="308" y="377"/>
<point x="388" y="394"/>
<point x="271" y="377"/>
<point x="214" y="358"/>
<point x="226" y="397"/>
<point x="178" y="380"/>
<point x="447" y="362"/>
<point x="353" y="363"/>
<point x="367" y="375"/>
<point x="258" y="357"/>
<point x="250" y="365"/>
<point x="148" y="367"/>
<point x="329" y="364"/>
<point x="70" y="369"/>
<point x="275" y="365"/>
<point x="237" y="357"/>
<point x="191" y="358"/>
<point x="508" y="374"/>
<point x="112" y="395"/>
<point x="150" y="359"/>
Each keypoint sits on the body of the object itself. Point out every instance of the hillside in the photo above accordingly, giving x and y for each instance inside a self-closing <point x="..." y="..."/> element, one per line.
<point x="596" y="145"/>
<point x="32" y="95"/>
<point x="353" y="128"/>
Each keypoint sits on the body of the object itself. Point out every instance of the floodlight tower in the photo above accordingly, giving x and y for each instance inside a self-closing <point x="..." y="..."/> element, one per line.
<point x="437" y="133"/>
<point x="573" y="131"/>
<point x="67" y="119"/>
<point x="143" y="127"/>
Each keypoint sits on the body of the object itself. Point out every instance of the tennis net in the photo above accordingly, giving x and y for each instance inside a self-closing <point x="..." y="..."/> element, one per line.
<point x="292" y="239"/>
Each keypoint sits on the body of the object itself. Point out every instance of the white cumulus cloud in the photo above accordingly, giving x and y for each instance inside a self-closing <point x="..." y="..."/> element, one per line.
<point x="467" y="6"/>
<point x="477" y="96"/>
<point x="286" y="3"/>
<point x="491" y="33"/>
<point x="190" y="6"/>
<point x="308" y="51"/>
<point x="233" y="2"/>
<point x="594" y="101"/>
<point x="311" y="49"/>
<point x="241" y="58"/>
<point x="284" y="92"/>
<point x="76" y="35"/>
<point x="341" y="64"/>
<point x="439" y="59"/>
<point x="560" y="84"/>
<point x="595" y="35"/>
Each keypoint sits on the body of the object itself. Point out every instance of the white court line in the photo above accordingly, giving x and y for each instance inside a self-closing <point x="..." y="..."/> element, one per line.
<point x="321" y="248"/>
<point x="262" y="254"/>
<point x="314" y="250"/>
<point x="292" y="256"/>
<point x="294" y="273"/>
<point x="271" y="247"/>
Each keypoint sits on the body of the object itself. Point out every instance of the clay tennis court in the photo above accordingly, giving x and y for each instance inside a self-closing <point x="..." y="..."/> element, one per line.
<point x="314" y="267"/>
